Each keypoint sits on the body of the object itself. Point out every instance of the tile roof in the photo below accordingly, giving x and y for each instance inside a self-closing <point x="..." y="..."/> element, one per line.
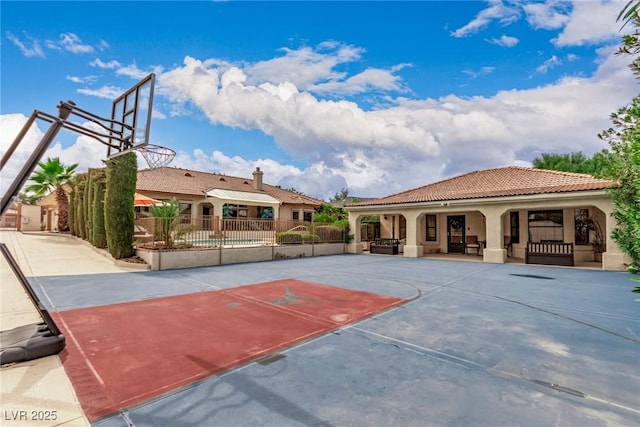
<point x="498" y="182"/>
<point x="195" y="183"/>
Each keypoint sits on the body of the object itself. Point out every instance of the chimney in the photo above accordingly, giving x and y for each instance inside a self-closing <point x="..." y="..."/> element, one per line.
<point x="257" y="179"/>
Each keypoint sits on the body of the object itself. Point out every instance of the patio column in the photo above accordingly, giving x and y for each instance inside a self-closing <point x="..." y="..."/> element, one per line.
<point x="613" y="258"/>
<point x="413" y="248"/>
<point x="494" y="251"/>
<point x="355" y="247"/>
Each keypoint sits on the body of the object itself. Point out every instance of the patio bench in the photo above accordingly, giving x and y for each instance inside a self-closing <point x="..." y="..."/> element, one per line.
<point x="384" y="246"/>
<point x="549" y="253"/>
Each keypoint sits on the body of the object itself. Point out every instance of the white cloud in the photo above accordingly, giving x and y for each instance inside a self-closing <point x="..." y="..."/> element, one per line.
<point x="369" y="80"/>
<point x="497" y="11"/>
<point x="68" y="41"/>
<point x="131" y="71"/>
<point x="550" y="15"/>
<point x="107" y="92"/>
<point x="85" y="80"/>
<point x="86" y="152"/>
<point x="385" y="150"/>
<point x="591" y="22"/>
<point x="73" y="44"/>
<point x="580" y="22"/>
<point x="482" y="72"/>
<point x="305" y="66"/>
<point x="548" y="64"/>
<point x="313" y="70"/>
<point x="106" y="65"/>
<point x="505" y="41"/>
<point x="29" y="51"/>
<point x="380" y="151"/>
<point x="316" y="180"/>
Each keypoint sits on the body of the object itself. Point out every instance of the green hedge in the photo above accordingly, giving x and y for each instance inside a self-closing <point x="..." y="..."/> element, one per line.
<point x="286" y="238"/>
<point x="99" y="234"/>
<point x="118" y="204"/>
<point x="81" y="229"/>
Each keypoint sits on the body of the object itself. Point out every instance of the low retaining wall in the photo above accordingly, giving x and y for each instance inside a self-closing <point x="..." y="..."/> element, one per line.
<point x="206" y="257"/>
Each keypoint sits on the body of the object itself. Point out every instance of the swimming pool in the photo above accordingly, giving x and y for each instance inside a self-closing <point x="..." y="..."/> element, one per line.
<point x="227" y="242"/>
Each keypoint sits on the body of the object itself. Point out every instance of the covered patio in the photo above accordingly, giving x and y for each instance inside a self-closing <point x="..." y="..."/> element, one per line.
<point x="537" y="216"/>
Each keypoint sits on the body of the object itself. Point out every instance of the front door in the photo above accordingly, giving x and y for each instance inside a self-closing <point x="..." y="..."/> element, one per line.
<point x="455" y="234"/>
<point x="206" y="218"/>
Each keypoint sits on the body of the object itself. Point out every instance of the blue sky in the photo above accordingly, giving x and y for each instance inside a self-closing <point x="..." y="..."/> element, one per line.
<point x="376" y="97"/>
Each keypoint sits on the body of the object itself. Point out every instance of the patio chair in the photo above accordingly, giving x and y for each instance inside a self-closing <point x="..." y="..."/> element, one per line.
<point x="472" y="244"/>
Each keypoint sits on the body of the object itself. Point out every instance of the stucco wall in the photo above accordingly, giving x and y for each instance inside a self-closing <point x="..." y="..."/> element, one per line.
<point x="489" y="219"/>
<point x="30" y="218"/>
<point x="173" y="259"/>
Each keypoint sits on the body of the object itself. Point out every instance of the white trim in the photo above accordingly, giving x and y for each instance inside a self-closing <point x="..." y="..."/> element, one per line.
<point x="242" y="196"/>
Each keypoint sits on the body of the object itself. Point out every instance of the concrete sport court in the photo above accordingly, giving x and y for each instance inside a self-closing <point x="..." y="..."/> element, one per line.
<point x="351" y="340"/>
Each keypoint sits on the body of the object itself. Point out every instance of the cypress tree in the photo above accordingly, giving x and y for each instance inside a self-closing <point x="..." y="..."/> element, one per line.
<point x="99" y="234"/>
<point x="118" y="204"/>
<point x="72" y="209"/>
<point x="88" y="199"/>
<point x="82" y="230"/>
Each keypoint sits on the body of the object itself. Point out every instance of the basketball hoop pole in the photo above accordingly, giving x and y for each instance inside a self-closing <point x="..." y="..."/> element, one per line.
<point x="43" y="339"/>
<point x="33" y="160"/>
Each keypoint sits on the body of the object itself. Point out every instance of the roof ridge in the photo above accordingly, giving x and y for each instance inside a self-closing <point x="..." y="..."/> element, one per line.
<point x="449" y="179"/>
<point x="196" y="171"/>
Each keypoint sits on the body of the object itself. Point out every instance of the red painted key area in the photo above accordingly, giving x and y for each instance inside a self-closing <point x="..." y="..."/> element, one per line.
<point x="124" y="354"/>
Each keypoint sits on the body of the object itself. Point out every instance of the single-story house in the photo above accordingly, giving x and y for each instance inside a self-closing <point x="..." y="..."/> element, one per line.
<point x="49" y="206"/>
<point x="509" y="211"/>
<point x="9" y="219"/>
<point x="22" y="217"/>
<point x="209" y="195"/>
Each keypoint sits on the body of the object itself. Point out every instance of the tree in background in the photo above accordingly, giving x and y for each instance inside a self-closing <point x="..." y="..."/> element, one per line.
<point x="575" y="162"/>
<point x="340" y="196"/>
<point x="338" y="216"/>
<point x="329" y="213"/>
<point x="52" y="175"/>
<point x="621" y="162"/>
<point x="28" y="199"/>
<point x="121" y="174"/>
<point x="624" y="140"/>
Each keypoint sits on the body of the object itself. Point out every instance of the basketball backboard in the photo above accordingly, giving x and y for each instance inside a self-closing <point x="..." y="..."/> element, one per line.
<point x="131" y="117"/>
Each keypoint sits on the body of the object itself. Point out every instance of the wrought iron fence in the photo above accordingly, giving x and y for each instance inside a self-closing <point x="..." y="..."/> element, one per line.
<point x="210" y="231"/>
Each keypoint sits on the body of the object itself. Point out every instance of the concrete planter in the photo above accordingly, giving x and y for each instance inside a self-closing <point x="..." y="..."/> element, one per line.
<point x="206" y="257"/>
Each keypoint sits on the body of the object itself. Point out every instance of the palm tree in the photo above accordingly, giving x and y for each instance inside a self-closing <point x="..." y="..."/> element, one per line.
<point x="52" y="176"/>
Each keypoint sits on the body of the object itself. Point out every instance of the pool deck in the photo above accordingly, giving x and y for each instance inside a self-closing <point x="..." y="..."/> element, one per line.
<point x="475" y="344"/>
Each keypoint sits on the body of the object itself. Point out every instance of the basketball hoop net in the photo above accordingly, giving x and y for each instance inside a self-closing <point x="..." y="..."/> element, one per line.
<point x="156" y="155"/>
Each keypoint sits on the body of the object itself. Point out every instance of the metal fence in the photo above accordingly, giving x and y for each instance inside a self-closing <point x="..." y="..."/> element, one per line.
<point x="210" y="231"/>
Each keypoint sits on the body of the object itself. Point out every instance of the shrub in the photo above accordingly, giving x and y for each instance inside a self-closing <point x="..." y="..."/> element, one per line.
<point x="288" y="238"/>
<point x="118" y="204"/>
<point x="310" y="238"/>
<point x="167" y="218"/>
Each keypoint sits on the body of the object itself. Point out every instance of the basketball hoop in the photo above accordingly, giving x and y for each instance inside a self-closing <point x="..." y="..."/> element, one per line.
<point x="156" y="155"/>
